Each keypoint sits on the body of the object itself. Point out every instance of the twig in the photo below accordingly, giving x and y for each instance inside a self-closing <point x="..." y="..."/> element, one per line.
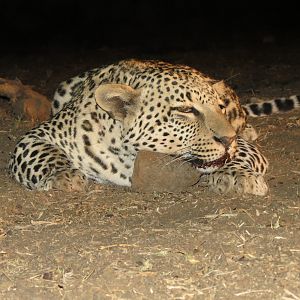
<point x="292" y="295"/>
<point x="253" y="291"/>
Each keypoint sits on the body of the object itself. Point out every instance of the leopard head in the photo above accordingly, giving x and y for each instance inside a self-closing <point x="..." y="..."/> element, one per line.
<point x="190" y="124"/>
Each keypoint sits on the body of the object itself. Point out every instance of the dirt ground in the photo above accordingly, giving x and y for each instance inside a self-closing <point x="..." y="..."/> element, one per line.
<point x="111" y="243"/>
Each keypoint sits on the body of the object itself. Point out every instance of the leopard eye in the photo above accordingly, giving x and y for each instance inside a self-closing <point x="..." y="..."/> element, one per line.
<point x="185" y="109"/>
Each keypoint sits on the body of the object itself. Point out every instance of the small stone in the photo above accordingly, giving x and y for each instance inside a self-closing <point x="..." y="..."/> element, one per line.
<point x="158" y="172"/>
<point x="48" y="276"/>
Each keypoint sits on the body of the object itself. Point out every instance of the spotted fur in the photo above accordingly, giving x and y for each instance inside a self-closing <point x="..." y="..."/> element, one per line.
<point x="103" y="117"/>
<point x="251" y="166"/>
<point x="265" y="108"/>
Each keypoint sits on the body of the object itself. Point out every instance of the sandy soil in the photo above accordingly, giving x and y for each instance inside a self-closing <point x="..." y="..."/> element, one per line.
<point x="111" y="243"/>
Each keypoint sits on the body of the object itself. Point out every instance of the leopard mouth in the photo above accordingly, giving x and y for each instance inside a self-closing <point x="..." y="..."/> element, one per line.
<point x="210" y="166"/>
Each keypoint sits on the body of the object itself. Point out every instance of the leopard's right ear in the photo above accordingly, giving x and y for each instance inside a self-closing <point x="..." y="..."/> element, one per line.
<point x="118" y="100"/>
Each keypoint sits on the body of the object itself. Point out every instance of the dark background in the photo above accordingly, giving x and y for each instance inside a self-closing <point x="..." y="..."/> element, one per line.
<point x="153" y="26"/>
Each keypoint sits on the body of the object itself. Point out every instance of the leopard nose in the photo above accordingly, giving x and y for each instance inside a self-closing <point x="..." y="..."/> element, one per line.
<point x="225" y="140"/>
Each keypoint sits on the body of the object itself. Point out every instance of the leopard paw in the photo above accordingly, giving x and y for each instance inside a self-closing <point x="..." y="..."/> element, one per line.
<point x="223" y="183"/>
<point x="69" y="181"/>
<point x="249" y="133"/>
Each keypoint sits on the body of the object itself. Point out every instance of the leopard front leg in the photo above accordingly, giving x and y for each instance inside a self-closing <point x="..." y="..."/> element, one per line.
<point x="67" y="180"/>
<point x="41" y="165"/>
<point x="244" y="174"/>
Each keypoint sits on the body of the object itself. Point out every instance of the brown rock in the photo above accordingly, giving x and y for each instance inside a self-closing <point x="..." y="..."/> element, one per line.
<point x="161" y="173"/>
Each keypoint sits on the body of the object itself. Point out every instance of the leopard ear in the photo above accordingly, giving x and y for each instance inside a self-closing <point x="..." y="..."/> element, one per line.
<point x="220" y="87"/>
<point x="118" y="100"/>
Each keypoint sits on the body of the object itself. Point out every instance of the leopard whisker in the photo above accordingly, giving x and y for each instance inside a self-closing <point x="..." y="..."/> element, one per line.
<point x="173" y="157"/>
<point x="179" y="157"/>
<point x="186" y="161"/>
<point x="167" y="160"/>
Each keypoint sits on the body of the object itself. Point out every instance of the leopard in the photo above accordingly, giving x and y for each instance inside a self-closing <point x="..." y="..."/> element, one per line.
<point x="103" y="117"/>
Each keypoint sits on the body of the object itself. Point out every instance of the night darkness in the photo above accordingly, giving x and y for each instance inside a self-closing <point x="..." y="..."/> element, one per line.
<point x="146" y="25"/>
